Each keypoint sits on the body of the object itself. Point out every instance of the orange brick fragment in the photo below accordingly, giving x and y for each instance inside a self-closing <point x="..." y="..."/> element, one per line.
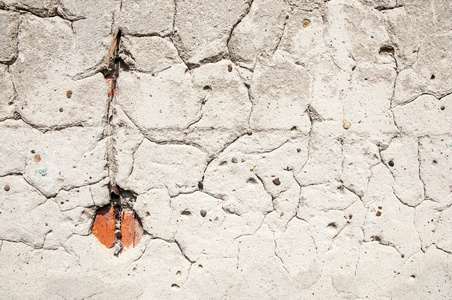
<point x="104" y="226"/>
<point x="131" y="230"/>
<point x="112" y="86"/>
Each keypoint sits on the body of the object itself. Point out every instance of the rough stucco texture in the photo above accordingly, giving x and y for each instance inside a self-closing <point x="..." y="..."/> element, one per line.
<point x="271" y="149"/>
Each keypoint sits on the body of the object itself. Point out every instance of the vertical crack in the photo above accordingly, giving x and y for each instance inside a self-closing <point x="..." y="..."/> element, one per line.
<point x="111" y="74"/>
<point x="116" y="225"/>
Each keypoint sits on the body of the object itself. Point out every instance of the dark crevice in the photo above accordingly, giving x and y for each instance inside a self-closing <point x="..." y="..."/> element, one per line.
<point x="383" y="8"/>
<point x="387" y="50"/>
<point x="126" y="229"/>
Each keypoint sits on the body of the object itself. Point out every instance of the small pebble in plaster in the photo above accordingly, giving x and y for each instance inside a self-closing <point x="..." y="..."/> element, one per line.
<point x="42" y="172"/>
<point x="69" y="94"/>
<point x="147" y="214"/>
<point x="186" y="213"/>
<point x="33" y="151"/>
<point x="346" y="125"/>
<point x="249" y="132"/>
<point x="298" y="150"/>
<point x="243" y="160"/>
<point x="203" y="213"/>
<point x="252" y="167"/>
<point x="61" y="109"/>
<point x="281" y="214"/>
<point x="276" y="181"/>
<point x="391" y="163"/>
<point x="306" y="23"/>
<point x="378" y="213"/>
<point x="6" y="188"/>
<point x="350" y="216"/>
<point x="229" y="68"/>
<point x="432" y="77"/>
<point x="403" y="255"/>
<point x="37" y="158"/>
<point x="200" y="185"/>
<point x="234" y="160"/>
<point x="443" y="107"/>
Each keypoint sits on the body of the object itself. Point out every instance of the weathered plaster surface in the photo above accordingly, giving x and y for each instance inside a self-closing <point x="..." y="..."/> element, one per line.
<point x="272" y="149"/>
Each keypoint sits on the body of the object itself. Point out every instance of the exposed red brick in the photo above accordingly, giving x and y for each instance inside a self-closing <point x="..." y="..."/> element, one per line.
<point x="131" y="230"/>
<point x="104" y="226"/>
<point x="112" y="86"/>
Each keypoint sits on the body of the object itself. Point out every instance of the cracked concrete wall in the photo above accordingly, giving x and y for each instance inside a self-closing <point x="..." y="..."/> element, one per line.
<point x="271" y="148"/>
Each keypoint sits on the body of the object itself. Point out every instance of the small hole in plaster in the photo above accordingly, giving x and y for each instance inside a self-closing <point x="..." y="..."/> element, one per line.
<point x="251" y="180"/>
<point x="386" y="50"/>
<point x="432" y="77"/>
<point x="186" y="213"/>
<point x="376" y="238"/>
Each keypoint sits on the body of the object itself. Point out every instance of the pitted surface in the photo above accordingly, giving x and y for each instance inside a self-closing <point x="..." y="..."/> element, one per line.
<point x="268" y="149"/>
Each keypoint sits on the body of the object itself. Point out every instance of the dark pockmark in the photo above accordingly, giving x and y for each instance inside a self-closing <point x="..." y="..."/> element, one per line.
<point x="387" y="50"/>
<point x="200" y="185"/>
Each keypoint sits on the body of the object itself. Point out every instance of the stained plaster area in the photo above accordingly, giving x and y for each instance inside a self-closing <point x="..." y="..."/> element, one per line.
<point x="274" y="148"/>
